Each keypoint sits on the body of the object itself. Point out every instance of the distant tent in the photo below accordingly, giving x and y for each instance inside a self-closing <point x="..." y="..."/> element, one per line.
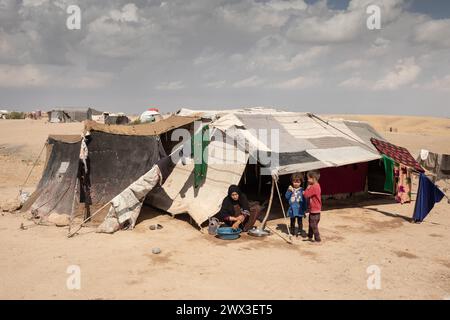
<point x="71" y="114"/>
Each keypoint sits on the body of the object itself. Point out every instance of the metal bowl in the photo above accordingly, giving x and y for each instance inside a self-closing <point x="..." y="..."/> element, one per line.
<point x="228" y="233"/>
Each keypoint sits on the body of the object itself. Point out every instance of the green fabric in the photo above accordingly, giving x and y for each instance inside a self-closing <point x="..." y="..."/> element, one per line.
<point x="389" y="172"/>
<point x="200" y="143"/>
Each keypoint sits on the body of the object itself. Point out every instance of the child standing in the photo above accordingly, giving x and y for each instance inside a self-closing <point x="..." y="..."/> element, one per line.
<point x="297" y="204"/>
<point x="314" y="194"/>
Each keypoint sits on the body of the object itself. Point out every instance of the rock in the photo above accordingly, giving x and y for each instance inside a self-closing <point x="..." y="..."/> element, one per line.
<point x="155" y="227"/>
<point x="60" y="220"/>
<point x="156" y="250"/>
<point x="109" y="225"/>
<point x="11" y="205"/>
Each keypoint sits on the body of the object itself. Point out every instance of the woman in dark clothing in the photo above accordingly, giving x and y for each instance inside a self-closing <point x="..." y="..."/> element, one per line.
<point x="235" y="210"/>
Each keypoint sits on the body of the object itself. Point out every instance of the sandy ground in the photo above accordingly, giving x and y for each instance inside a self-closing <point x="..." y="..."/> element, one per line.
<point x="414" y="259"/>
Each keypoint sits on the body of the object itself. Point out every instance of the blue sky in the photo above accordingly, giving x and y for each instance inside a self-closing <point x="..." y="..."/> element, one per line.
<point x="297" y="55"/>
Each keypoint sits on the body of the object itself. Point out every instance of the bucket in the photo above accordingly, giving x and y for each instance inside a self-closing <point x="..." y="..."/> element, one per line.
<point x="213" y="226"/>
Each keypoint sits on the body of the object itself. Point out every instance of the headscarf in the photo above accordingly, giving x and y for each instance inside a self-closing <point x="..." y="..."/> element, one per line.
<point x="228" y="203"/>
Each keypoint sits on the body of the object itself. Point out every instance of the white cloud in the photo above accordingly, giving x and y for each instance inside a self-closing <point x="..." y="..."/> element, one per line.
<point x="216" y="84"/>
<point x="34" y="3"/>
<point x="351" y="64"/>
<point x="129" y="13"/>
<point x="355" y="82"/>
<point x="253" y="81"/>
<point x="21" y="76"/>
<point x="298" y="83"/>
<point x="281" y="62"/>
<point x="438" y="84"/>
<point x="28" y="76"/>
<point x="406" y="72"/>
<point x="325" y="25"/>
<point x="287" y="4"/>
<point x="171" y="85"/>
<point x="434" y="32"/>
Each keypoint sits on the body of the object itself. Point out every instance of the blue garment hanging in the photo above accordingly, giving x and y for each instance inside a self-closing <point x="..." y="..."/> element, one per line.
<point x="427" y="195"/>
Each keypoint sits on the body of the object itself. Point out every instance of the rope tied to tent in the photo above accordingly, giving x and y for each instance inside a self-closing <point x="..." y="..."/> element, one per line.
<point x="313" y="116"/>
<point x="34" y="165"/>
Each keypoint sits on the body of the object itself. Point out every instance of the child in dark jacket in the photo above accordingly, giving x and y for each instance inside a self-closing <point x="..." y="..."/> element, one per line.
<point x="297" y="204"/>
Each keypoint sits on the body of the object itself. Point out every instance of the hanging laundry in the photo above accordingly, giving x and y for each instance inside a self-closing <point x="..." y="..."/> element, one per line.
<point x="200" y="143"/>
<point x="427" y="195"/>
<point x="397" y="153"/>
<point x="389" y="173"/>
<point x="403" y="183"/>
<point x="428" y="160"/>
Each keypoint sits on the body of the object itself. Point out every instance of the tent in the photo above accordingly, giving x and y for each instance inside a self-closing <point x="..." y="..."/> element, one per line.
<point x="84" y="172"/>
<point x="307" y="142"/>
<point x="71" y="114"/>
<point x="121" y="160"/>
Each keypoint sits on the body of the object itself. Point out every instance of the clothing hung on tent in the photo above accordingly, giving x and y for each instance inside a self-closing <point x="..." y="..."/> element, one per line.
<point x="427" y="195"/>
<point x="398" y="154"/>
<point x="389" y="173"/>
<point x="200" y="154"/>
<point x="403" y="183"/>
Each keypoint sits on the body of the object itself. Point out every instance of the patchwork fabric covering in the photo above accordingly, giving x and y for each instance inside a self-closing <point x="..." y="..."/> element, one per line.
<point x="398" y="154"/>
<point x="287" y="142"/>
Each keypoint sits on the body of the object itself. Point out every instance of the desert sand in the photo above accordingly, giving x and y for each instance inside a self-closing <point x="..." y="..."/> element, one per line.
<point x="414" y="259"/>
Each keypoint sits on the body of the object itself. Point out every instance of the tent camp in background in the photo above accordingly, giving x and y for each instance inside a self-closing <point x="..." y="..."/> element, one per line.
<point x="111" y="118"/>
<point x="59" y="115"/>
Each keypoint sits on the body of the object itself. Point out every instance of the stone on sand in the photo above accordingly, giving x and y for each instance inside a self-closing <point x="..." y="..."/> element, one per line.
<point x="10" y="205"/>
<point x="60" y="220"/>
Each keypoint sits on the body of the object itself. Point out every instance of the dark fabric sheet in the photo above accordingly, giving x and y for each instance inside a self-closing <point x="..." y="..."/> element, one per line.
<point x="427" y="195"/>
<point x="55" y="190"/>
<point x="116" y="161"/>
<point x="345" y="179"/>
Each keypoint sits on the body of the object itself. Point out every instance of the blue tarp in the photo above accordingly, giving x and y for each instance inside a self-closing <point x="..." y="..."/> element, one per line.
<point x="427" y="195"/>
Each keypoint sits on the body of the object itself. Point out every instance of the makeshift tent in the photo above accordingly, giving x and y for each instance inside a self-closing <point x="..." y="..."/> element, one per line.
<point x="306" y="142"/>
<point x="71" y="114"/>
<point x="301" y="142"/>
<point x="116" y="157"/>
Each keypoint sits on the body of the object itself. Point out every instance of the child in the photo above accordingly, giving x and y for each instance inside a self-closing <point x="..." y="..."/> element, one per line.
<point x="297" y="204"/>
<point x="313" y="193"/>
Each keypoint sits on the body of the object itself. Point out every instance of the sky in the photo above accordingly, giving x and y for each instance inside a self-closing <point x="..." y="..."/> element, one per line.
<point x="300" y="55"/>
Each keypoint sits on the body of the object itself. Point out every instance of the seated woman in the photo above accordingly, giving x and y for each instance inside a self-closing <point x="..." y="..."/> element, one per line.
<point x="236" y="211"/>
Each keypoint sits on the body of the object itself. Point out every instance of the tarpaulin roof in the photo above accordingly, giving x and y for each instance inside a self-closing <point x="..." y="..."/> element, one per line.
<point x="305" y="142"/>
<point x="397" y="153"/>
<point x="145" y="129"/>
